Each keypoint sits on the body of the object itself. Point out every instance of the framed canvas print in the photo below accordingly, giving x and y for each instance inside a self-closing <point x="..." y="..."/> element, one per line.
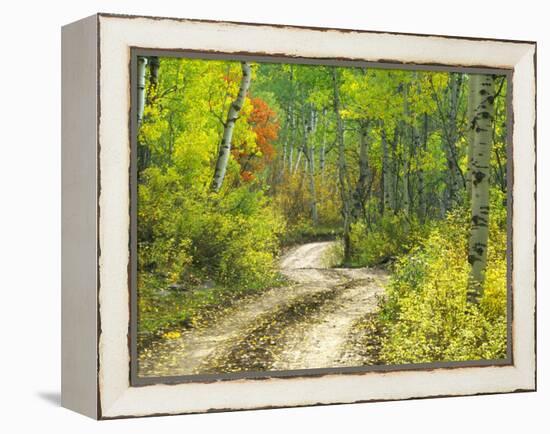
<point x="262" y="216"/>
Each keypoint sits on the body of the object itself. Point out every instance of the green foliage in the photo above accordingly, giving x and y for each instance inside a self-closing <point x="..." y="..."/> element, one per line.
<point x="426" y="316"/>
<point x="381" y="243"/>
<point x="163" y="312"/>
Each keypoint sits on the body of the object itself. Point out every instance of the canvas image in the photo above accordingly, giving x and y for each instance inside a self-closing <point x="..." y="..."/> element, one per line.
<point x="295" y="215"/>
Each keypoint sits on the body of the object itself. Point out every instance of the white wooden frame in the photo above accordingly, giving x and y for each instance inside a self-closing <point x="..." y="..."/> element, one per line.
<point x="95" y="258"/>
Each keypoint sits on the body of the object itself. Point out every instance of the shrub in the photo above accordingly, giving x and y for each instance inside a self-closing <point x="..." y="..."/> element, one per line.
<point x="385" y="240"/>
<point x="202" y="243"/>
<point x="426" y="316"/>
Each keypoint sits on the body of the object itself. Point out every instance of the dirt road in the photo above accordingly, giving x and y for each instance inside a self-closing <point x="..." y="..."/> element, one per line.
<point x="302" y="326"/>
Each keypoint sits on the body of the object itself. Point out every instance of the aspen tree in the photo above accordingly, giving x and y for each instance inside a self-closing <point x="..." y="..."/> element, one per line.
<point x="141" y="66"/>
<point x="229" y="126"/>
<point x="482" y="134"/>
<point x="342" y="168"/>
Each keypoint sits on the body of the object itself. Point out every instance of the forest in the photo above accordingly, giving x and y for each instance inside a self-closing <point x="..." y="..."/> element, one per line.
<point x="388" y="186"/>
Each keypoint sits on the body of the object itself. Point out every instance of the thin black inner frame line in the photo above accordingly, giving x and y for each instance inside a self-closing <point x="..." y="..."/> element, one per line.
<point x="136" y="380"/>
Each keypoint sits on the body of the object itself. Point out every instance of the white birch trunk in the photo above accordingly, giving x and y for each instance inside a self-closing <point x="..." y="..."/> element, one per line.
<point x="342" y="168"/>
<point x="359" y="197"/>
<point x="141" y="66"/>
<point x="232" y="116"/>
<point x="322" y="151"/>
<point x="473" y="101"/>
<point x="309" y="153"/>
<point x="483" y="85"/>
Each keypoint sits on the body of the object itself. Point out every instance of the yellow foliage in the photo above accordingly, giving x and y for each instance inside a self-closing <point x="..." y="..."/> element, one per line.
<point x="171" y="335"/>
<point x="426" y="314"/>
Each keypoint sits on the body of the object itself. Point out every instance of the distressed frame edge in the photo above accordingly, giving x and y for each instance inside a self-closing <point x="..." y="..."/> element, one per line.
<point x="305" y="27"/>
<point x="371" y="400"/>
<point x="80" y="177"/>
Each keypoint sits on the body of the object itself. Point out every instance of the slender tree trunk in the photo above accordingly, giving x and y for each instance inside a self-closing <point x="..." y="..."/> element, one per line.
<point x="387" y="174"/>
<point x="312" y="188"/>
<point x="473" y="101"/>
<point x="154" y="64"/>
<point x="298" y="159"/>
<point x="322" y="150"/>
<point x="452" y="182"/>
<point x="292" y="121"/>
<point x="312" y="128"/>
<point x="382" y="190"/>
<point x="292" y="142"/>
<point x="141" y="67"/>
<point x="322" y="156"/>
<point x="143" y="151"/>
<point x="406" y="193"/>
<point x="286" y="143"/>
<point x="500" y="170"/>
<point x="232" y="116"/>
<point x="423" y="144"/>
<point x="386" y="177"/>
<point x="405" y="146"/>
<point x="395" y="170"/>
<point x="293" y="166"/>
<point x="413" y="174"/>
<point x="455" y="176"/>
<point x="342" y="168"/>
<point x="309" y="152"/>
<point x="358" y="208"/>
<point x="483" y="85"/>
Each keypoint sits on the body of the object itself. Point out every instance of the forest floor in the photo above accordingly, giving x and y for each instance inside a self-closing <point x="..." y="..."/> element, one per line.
<point x="308" y="324"/>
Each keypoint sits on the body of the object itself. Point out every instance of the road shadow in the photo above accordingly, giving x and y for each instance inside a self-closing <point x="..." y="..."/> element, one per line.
<point x="52" y="398"/>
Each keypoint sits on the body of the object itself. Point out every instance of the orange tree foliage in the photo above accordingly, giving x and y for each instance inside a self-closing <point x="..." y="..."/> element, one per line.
<point x="265" y="125"/>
